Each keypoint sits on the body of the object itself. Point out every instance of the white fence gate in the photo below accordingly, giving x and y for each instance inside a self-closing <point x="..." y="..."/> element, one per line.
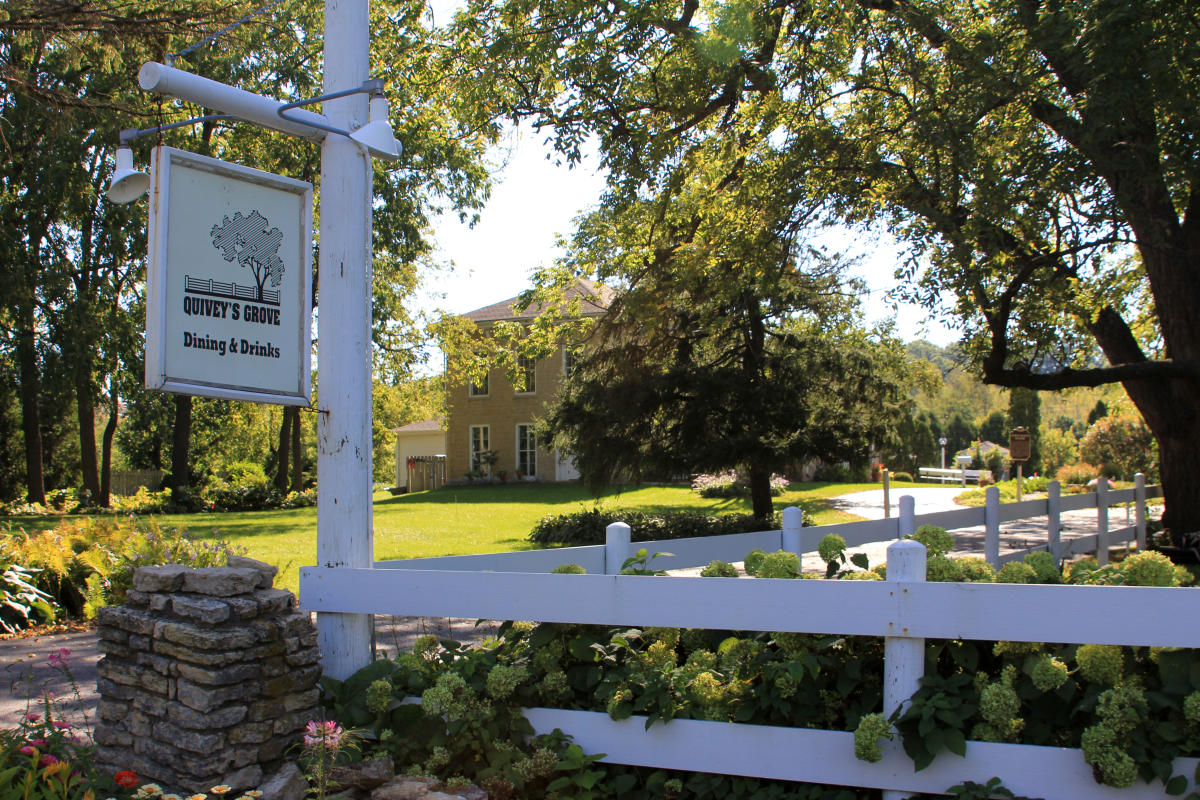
<point x="904" y="609"/>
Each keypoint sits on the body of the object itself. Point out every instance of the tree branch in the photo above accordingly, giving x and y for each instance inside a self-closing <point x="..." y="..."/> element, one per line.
<point x="1069" y="378"/>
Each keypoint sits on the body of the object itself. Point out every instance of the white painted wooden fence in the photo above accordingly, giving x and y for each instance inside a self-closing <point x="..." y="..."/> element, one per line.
<point x="904" y="609"/>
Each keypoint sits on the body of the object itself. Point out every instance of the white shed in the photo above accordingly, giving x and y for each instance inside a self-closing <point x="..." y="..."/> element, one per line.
<point x="424" y="439"/>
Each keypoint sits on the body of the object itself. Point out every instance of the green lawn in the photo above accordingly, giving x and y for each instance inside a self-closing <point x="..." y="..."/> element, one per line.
<point x="462" y="520"/>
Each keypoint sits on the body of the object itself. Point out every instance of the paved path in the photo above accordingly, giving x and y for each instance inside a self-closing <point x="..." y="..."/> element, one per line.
<point x="26" y="673"/>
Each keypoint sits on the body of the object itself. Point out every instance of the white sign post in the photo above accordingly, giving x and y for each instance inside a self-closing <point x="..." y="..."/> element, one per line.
<point x="229" y="285"/>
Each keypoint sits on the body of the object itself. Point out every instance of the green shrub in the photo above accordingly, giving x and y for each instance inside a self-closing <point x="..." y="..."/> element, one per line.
<point x="936" y="539"/>
<point x="904" y="477"/>
<point x="1016" y="572"/>
<point x="1080" y="474"/>
<point x="240" y="486"/>
<point x="941" y="569"/>
<point x="719" y="569"/>
<point x="1149" y="568"/>
<point x="753" y="561"/>
<point x="587" y="527"/>
<point x="143" y="501"/>
<point x="569" y="569"/>
<point x="780" y="564"/>
<point x="1043" y="566"/>
<point x="976" y="570"/>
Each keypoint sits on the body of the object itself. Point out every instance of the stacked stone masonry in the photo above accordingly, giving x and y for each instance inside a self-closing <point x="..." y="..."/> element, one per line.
<point x="208" y="676"/>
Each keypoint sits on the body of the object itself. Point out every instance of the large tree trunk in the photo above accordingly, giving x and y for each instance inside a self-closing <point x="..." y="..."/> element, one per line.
<point x="297" y="461"/>
<point x="283" y="451"/>
<point x="86" y="412"/>
<point x="182" y="437"/>
<point x="760" y="493"/>
<point x="31" y="422"/>
<point x="110" y="428"/>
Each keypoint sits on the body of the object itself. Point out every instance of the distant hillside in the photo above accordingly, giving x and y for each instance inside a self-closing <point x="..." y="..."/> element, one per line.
<point x="962" y="391"/>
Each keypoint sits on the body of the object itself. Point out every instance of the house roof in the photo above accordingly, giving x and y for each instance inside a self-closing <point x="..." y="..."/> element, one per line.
<point x="594" y="300"/>
<point x="424" y="426"/>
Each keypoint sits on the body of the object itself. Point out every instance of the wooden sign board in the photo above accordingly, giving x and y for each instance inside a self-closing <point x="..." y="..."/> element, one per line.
<point x="229" y="283"/>
<point x="1020" y="444"/>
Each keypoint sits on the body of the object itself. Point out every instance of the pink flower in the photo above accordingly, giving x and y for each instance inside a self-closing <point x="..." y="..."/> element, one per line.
<point x="38" y="742"/>
<point x="47" y="760"/>
<point x="61" y="725"/>
<point x="60" y="658"/>
<point x="327" y="735"/>
<point x="32" y="717"/>
<point x="27" y="750"/>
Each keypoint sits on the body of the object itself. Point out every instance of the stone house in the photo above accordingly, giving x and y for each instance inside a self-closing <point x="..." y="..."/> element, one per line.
<point x="497" y="417"/>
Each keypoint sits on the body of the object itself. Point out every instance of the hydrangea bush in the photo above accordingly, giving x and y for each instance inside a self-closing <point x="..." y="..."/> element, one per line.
<point x="468" y="724"/>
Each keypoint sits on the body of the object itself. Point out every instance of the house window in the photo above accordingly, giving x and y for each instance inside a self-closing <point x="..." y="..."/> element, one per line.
<point x="570" y="359"/>
<point x="526" y="450"/>
<point x="478" y="388"/>
<point x="526" y="375"/>
<point x="480" y="444"/>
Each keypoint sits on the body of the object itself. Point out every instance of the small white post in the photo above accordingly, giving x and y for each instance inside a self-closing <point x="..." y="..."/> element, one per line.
<point x="793" y="531"/>
<point x="908" y="516"/>
<point x="991" y="521"/>
<point x="903" y="657"/>
<point x="887" y="487"/>
<point x="1054" y="521"/>
<point x="1139" y="509"/>
<point x="617" y="537"/>
<point x="1102" y="520"/>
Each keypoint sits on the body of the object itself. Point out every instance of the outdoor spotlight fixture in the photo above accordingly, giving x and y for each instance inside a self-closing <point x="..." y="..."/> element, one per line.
<point x="375" y="137"/>
<point x="128" y="184"/>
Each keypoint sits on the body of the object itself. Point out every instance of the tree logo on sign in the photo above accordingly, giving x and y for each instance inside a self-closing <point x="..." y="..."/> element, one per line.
<point x="247" y="240"/>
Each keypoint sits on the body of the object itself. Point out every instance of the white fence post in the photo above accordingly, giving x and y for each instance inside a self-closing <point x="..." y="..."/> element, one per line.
<point x="793" y="531"/>
<point x="907" y="522"/>
<point x="1054" y="521"/>
<point x="1139" y="509"/>
<point x="903" y="657"/>
<point x="887" y="494"/>
<point x="991" y="521"/>
<point x="1102" y="520"/>
<point x="617" y="537"/>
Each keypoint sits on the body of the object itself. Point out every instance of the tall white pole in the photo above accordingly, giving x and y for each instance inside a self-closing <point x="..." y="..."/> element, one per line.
<point x="344" y="524"/>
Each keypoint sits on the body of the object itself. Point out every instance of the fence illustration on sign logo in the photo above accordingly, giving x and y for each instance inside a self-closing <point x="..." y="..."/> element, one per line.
<point x="231" y="290"/>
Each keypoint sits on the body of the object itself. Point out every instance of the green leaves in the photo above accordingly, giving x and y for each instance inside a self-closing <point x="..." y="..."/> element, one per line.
<point x="936" y="718"/>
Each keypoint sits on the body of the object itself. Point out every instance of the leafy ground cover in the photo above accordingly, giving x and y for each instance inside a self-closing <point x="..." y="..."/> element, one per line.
<point x="461" y="520"/>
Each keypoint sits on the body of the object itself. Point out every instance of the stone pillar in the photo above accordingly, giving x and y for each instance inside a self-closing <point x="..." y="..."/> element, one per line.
<point x="208" y="677"/>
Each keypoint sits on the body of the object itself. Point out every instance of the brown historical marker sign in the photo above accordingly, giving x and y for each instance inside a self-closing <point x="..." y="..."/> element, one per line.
<point x="1020" y="443"/>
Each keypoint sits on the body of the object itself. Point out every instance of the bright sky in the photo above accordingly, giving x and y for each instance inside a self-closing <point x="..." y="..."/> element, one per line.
<point x="534" y="200"/>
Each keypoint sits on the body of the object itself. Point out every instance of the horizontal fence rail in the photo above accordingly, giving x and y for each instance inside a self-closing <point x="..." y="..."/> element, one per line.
<point x="816" y="756"/>
<point x="991" y="611"/>
<point x="905" y="610"/>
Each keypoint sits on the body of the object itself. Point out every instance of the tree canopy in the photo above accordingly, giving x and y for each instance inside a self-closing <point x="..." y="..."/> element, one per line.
<point x="72" y="263"/>
<point x="1039" y="159"/>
